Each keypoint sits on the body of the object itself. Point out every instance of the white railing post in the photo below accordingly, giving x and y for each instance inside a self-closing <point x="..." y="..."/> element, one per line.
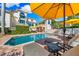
<point x="25" y="18"/>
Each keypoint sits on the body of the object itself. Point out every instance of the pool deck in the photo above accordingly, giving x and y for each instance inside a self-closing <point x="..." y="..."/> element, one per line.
<point x="5" y="38"/>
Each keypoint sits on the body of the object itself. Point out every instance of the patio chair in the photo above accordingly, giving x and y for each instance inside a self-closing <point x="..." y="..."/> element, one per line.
<point x="34" y="49"/>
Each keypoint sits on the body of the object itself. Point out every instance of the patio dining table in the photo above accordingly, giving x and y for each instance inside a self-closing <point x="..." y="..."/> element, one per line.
<point x="53" y="48"/>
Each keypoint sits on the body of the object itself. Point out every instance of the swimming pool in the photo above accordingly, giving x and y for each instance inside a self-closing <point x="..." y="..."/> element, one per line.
<point x="25" y="39"/>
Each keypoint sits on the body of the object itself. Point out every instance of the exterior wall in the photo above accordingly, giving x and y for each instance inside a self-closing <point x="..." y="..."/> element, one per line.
<point x="9" y="22"/>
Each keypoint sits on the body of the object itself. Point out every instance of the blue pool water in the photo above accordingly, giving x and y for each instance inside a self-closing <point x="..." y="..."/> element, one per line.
<point x="25" y="39"/>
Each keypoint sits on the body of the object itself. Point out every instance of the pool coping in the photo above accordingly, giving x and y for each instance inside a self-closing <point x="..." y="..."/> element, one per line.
<point x="6" y="39"/>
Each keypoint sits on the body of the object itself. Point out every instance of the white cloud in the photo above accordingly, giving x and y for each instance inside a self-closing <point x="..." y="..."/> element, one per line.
<point x="26" y="8"/>
<point x="34" y="21"/>
<point x="11" y="4"/>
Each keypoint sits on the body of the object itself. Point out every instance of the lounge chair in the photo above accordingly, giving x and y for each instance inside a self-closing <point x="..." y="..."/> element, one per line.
<point x="74" y="41"/>
<point x="72" y="52"/>
<point x="34" y="49"/>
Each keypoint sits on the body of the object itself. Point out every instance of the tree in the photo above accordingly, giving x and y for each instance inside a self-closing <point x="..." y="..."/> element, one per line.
<point x="74" y="16"/>
<point x="42" y="22"/>
<point x="55" y="24"/>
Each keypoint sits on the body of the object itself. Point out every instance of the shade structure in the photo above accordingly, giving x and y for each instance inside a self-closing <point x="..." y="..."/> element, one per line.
<point x="55" y="10"/>
<point x="71" y="21"/>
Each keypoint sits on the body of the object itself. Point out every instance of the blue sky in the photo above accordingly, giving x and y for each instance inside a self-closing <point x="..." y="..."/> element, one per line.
<point x="14" y="7"/>
<point x="60" y="19"/>
<point x="34" y="16"/>
<point x="30" y="15"/>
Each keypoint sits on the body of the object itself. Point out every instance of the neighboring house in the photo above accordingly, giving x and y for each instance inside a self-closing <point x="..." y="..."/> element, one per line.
<point x="48" y="25"/>
<point x="22" y="18"/>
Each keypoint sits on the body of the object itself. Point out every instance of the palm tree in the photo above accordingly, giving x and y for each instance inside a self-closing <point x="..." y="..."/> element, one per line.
<point x="3" y="18"/>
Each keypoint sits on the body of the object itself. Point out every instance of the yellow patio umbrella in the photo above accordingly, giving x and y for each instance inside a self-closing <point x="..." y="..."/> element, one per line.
<point x="71" y="21"/>
<point x="55" y="10"/>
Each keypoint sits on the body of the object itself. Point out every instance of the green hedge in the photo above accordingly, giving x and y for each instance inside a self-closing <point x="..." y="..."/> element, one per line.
<point x="20" y="29"/>
<point x="74" y="26"/>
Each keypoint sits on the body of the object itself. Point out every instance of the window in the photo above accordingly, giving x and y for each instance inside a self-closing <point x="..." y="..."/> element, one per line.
<point x="49" y="22"/>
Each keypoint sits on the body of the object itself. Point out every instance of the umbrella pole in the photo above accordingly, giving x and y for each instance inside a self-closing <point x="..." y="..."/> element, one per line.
<point x="64" y="29"/>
